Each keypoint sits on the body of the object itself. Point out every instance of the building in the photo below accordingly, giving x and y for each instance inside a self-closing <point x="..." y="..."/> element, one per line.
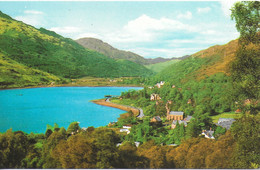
<point x="175" y="115"/>
<point x="208" y="134"/>
<point x="125" y="130"/>
<point x="159" y="85"/>
<point x="188" y="118"/>
<point x="156" y="119"/>
<point x="225" y="122"/>
<point x="155" y="97"/>
<point x="174" y="123"/>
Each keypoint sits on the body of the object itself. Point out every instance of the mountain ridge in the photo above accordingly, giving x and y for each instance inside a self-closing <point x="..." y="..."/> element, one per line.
<point x="110" y="51"/>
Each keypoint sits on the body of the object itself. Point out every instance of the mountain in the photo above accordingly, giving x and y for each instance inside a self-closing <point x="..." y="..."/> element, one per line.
<point x="44" y="50"/>
<point x="108" y="50"/>
<point x="200" y="65"/>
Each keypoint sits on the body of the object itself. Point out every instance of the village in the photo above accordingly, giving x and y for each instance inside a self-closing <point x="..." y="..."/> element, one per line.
<point x="172" y="118"/>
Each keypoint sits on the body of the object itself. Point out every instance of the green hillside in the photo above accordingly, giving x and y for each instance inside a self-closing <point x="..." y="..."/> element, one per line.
<point x="14" y="74"/>
<point x="158" y="67"/>
<point x="47" y="51"/>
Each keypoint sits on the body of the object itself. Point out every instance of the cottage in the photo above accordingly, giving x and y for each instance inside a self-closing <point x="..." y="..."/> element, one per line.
<point x="155" y="97"/>
<point x="156" y="119"/>
<point x="174" y="123"/>
<point x="208" y="134"/>
<point x="125" y="130"/>
<point x="160" y="84"/>
<point x="188" y="118"/>
<point x="137" y="144"/>
<point x="127" y="127"/>
<point x="225" y="122"/>
<point x="175" y="115"/>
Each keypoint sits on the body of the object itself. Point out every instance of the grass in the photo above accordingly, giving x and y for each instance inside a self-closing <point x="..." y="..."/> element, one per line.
<point x="160" y="66"/>
<point x="226" y="115"/>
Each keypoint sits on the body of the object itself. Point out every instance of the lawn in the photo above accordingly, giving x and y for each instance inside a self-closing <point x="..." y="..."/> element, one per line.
<point x="226" y="115"/>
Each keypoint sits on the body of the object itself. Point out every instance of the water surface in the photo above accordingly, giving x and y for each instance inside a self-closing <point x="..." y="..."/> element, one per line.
<point x="30" y="110"/>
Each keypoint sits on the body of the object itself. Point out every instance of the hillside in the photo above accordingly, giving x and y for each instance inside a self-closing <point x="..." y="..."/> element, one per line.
<point x="200" y="65"/>
<point x="108" y="50"/>
<point x="14" y="74"/>
<point x="158" y="67"/>
<point x="49" y="52"/>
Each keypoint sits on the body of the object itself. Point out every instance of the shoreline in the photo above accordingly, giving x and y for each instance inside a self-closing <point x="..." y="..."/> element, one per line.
<point x="64" y="85"/>
<point x="118" y="106"/>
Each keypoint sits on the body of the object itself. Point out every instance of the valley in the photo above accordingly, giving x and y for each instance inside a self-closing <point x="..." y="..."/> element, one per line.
<point x="110" y="108"/>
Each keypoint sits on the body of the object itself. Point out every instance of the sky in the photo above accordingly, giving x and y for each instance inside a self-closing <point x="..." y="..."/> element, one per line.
<point x="151" y="29"/>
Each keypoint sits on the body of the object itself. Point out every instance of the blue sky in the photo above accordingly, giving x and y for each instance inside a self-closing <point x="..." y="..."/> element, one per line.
<point x="151" y="29"/>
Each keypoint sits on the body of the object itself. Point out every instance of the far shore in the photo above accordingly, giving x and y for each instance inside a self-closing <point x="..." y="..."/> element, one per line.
<point x="118" y="106"/>
<point x="66" y="85"/>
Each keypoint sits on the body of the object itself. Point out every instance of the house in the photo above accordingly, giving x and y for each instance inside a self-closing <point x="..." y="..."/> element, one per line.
<point x="127" y="127"/>
<point x="174" y="123"/>
<point x="188" y="118"/>
<point x="208" y="134"/>
<point x="155" y="97"/>
<point x="137" y="144"/>
<point x="173" y="86"/>
<point x="156" y="119"/>
<point x="125" y="130"/>
<point x="175" y="115"/>
<point x="225" y="122"/>
<point x="160" y="84"/>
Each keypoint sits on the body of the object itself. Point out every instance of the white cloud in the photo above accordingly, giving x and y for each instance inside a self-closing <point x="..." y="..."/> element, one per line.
<point x="187" y="15"/>
<point x="147" y="29"/>
<point x="32" y="17"/>
<point x="203" y="10"/>
<point x="31" y="20"/>
<point x="66" y="30"/>
<point x="33" y="12"/>
<point x="226" y="6"/>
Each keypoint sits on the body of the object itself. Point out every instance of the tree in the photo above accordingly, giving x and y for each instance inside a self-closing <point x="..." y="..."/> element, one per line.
<point x="221" y="156"/>
<point x="105" y="141"/>
<point x="155" y="154"/>
<point x="247" y="18"/>
<point x="73" y="128"/>
<point x="13" y="149"/>
<point x="245" y="69"/>
<point x="246" y="132"/>
<point x="77" y="152"/>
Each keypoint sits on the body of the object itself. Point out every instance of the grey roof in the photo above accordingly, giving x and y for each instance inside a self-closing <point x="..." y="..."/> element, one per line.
<point x="158" y="118"/>
<point x="180" y="122"/>
<point x="225" y="122"/>
<point x="176" y="113"/>
<point x="188" y="118"/>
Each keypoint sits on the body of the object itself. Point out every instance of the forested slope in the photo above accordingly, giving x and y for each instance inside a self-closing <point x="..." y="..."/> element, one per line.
<point x="47" y="51"/>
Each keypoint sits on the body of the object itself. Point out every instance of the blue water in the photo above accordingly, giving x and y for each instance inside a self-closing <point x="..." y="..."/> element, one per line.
<point x="30" y="110"/>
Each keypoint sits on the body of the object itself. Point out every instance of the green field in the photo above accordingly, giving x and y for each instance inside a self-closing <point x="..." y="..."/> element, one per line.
<point x="226" y="115"/>
<point x="160" y="66"/>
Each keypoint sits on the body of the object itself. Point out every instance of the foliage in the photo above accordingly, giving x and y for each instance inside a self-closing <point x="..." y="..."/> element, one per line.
<point x="13" y="148"/>
<point x="246" y="132"/>
<point x="247" y="17"/>
<point x="246" y="67"/>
